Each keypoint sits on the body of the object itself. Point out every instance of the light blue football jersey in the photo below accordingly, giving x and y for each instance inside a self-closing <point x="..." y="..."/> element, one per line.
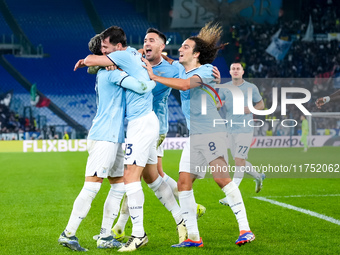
<point x="185" y="95"/>
<point x="161" y="94"/>
<point x="199" y="123"/>
<point x="137" y="105"/>
<point x="108" y="124"/>
<point x="238" y="123"/>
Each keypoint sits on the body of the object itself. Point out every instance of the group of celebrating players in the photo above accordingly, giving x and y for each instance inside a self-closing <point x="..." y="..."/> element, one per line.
<point x="136" y="89"/>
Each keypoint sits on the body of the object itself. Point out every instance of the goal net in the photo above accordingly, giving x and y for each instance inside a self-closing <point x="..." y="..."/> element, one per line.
<point x="323" y="123"/>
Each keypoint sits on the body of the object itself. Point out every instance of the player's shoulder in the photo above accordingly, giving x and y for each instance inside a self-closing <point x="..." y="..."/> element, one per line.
<point x="128" y="51"/>
<point x="132" y="50"/>
<point x="249" y="84"/>
<point x="207" y="66"/>
<point x="179" y="66"/>
<point x="168" y="66"/>
<point x="204" y="70"/>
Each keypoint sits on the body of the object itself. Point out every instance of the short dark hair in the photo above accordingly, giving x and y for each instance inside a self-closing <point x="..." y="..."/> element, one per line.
<point x="95" y="45"/>
<point x="237" y="63"/>
<point x="116" y="34"/>
<point x="159" y="33"/>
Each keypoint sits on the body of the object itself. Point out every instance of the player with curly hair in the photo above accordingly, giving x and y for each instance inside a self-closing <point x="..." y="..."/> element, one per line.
<point x="206" y="144"/>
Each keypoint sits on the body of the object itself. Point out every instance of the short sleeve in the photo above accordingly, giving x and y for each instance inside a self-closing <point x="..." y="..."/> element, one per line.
<point x="256" y="95"/>
<point x="117" y="76"/>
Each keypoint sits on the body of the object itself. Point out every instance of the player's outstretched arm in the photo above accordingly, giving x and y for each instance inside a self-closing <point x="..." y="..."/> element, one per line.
<point x="324" y="100"/>
<point x="321" y="101"/>
<point x="93" y="60"/>
<point x="175" y="83"/>
<point x="139" y="87"/>
<point x="79" y="64"/>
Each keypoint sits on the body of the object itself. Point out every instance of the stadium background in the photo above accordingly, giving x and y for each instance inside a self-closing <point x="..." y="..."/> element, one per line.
<point x="42" y="40"/>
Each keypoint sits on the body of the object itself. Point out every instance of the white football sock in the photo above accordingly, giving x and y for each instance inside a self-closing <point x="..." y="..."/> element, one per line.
<point x="164" y="193"/>
<point x="81" y="206"/>
<point x="123" y="216"/>
<point x="189" y="209"/>
<point x="252" y="171"/>
<point x="135" y="196"/>
<point x="111" y="208"/>
<point x="236" y="204"/>
<point x="172" y="183"/>
<point x="238" y="175"/>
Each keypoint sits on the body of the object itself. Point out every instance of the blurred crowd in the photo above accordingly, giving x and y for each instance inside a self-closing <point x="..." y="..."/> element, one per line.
<point x="317" y="61"/>
<point x="11" y="122"/>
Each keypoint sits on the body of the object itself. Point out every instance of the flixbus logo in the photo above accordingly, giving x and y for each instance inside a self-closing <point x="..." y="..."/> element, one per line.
<point x="238" y="100"/>
<point x="54" y="145"/>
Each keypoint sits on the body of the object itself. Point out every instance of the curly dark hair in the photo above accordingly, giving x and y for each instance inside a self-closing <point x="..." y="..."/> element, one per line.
<point x="206" y="43"/>
<point x="95" y="45"/>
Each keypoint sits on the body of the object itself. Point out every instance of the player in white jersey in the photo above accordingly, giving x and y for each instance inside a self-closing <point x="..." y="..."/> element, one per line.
<point x="105" y="158"/>
<point x="240" y="134"/>
<point x="142" y="133"/>
<point x="208" y="142"/>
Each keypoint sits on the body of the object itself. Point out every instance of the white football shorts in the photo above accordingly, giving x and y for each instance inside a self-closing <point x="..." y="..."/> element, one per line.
<point x="160" y="151"/>
<point x="239" y="144"/>
<point x="200" y="150"/>
<point x="141" y="140"/>
<point x="105" y="159"/>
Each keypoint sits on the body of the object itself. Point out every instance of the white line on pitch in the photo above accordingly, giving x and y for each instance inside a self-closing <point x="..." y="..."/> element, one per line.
<point x="311" y="213"/>
<point x="325" y="195"/>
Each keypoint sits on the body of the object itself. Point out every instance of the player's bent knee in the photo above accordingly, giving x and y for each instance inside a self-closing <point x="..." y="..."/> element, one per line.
<point x="93" y="179"/>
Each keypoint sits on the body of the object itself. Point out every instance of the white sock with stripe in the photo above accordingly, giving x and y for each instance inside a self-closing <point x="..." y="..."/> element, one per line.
<point x="81" y="206"/>
<point x="135" y="196"/>
<point x="111" y="208"/>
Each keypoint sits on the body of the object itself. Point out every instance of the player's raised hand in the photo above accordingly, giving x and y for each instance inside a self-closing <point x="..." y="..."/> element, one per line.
<point x="111" y="68"/>
<point x="219" y="105"/>
<point x="148" y="67"/>
<point x="79" y="64"/>
<point x="141" y="51"/>
<point x="321" y="101"/>
<point x="217" y="75"/>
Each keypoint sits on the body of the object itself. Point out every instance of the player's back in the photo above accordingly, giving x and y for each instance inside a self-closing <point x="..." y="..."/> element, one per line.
<point x="108" y="124"/>
<point x="162" y="92"/>
<point x="137" y="105"/>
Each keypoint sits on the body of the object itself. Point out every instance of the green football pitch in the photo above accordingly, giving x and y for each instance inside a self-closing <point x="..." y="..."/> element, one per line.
<point x="295" y="215"/>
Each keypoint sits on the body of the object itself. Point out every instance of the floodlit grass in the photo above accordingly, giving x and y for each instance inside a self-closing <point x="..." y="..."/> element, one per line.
<point x="37" y="192"/>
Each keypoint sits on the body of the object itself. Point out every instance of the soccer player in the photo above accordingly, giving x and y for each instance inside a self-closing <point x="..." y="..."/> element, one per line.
<point x="154" y="44"/>
<point x="142" y="133"/>
<point x="240" y="135"/>
<point x="105" y="160"/>
<point x="207" y="142"/>
<point x="305" y="131"/>
<point x="335" y="97"/>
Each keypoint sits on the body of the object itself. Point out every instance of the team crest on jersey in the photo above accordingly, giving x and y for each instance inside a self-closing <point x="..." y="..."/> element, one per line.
<point x="159" y="73"/>
<point x="123" y="73"/>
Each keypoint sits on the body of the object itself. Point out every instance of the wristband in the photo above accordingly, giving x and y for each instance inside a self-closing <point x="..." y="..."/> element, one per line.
<point x="326" y="99"/>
